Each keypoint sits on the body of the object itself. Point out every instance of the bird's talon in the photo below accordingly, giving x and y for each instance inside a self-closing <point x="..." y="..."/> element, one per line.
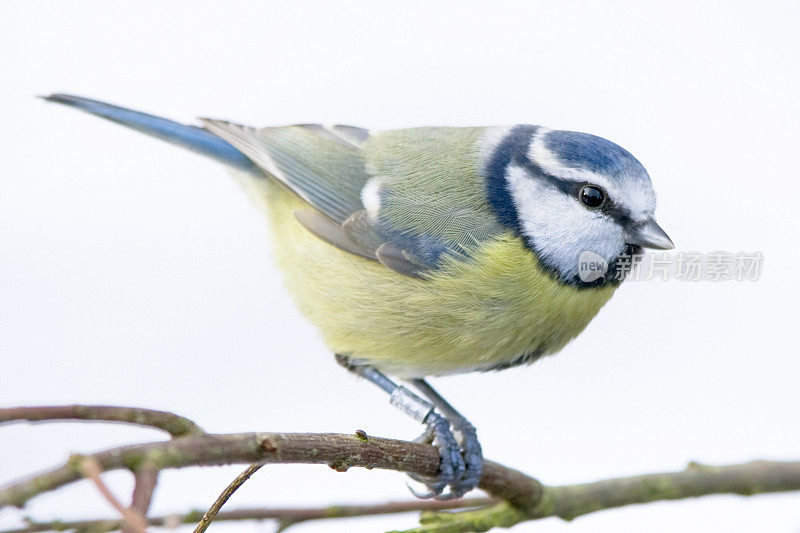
<point x="452" y="467"/>
<point x="420" y="494"/>
<point x="425" y="438"/>
<point x="473" y="459"/>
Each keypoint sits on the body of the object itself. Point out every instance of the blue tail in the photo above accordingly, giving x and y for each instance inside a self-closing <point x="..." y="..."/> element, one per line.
<point x="191" y="137"/>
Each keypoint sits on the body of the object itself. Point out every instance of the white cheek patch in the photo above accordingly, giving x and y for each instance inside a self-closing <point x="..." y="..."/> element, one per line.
<point x="559" y="228"/>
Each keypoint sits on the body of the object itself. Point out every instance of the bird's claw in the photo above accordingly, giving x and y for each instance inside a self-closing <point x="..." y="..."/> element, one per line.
<point x="473" y="459"/>
<point x="460" y="472"/>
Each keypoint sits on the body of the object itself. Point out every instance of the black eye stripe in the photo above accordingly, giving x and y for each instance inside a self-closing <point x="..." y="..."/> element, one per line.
<point x="618" y="213"/>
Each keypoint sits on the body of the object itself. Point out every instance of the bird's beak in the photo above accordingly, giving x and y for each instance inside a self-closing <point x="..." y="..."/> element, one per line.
<point x="650" y="235"/>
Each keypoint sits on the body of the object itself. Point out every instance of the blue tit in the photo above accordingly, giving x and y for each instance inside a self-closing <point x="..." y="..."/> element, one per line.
<point x="438" y="250"/>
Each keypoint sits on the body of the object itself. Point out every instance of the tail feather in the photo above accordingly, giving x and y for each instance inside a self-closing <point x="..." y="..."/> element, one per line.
<point x="192" y="137"/>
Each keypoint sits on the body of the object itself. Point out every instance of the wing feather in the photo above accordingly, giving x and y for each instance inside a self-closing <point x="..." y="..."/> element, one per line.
<point x="332" y="232"/>
<point x="323" y="168"/>
<point x="423" y="190"/>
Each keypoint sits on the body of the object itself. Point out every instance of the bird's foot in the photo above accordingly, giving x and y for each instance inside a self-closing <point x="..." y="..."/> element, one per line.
<point x="473" y="459"/>
<point x="461" y="464"/>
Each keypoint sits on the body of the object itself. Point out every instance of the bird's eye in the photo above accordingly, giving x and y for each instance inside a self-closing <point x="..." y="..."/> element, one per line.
<point x="591" y="196"/>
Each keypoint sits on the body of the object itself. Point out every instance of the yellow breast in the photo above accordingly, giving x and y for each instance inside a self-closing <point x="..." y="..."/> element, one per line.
<point x="470" y="315"/>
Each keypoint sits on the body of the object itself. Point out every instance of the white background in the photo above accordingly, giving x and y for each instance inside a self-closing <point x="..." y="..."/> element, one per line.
<point x="134" y="273"/>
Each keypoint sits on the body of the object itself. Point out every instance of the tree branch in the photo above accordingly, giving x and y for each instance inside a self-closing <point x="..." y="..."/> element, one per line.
<point x="571" y="501"/>
<point x="132" y="521"/>
<point x="145" y="480"/>
<point x="524" y="497"/>
<point x="175" y="425"/>
<point x="339" y="451"/>
<point x="213" y="511"/>
<point x="285" y="516"/>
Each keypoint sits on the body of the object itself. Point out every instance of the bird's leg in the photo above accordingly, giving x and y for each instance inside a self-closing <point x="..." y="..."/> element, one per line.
<point x="452" y="468"/>
<point x="473" y="456"/>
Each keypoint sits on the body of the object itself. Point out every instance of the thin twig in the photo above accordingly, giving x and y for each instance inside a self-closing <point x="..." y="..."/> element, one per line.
<point x="145" y="483"/>
<point x="294" y="516"/>
<point x="212" y="512"/>
<point x="175" y="425"/>
<point x="92" y="471"/>
<point x="145" y="480"/>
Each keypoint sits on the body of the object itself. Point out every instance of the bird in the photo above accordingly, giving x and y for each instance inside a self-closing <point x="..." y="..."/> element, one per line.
<point x="432" y="251"/>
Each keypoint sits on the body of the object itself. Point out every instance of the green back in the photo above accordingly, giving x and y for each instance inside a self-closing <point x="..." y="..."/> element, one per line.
<point x="425" y="193"/>
<point x="432" y="185"/>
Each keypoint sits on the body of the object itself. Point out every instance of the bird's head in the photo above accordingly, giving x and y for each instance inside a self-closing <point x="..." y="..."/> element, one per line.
<point x="573" y="197"/>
